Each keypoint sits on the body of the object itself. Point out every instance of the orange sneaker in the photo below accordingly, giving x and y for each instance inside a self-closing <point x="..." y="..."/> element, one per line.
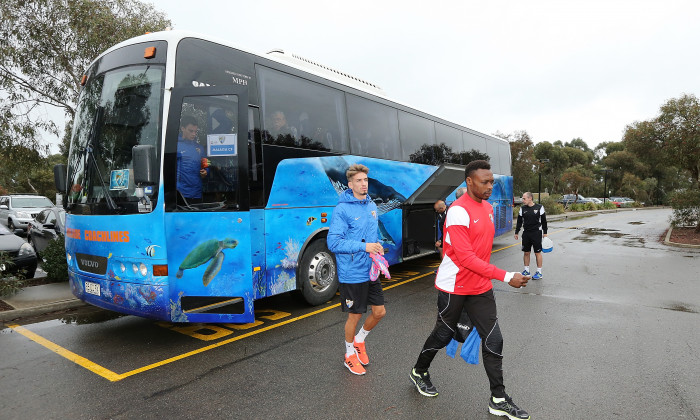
<point x="361" y="352"/>
<point x="354" y="365"/>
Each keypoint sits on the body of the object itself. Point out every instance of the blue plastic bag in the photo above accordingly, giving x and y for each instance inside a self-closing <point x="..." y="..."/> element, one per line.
<point x="451" y="348"/>
<point x="470" y="348"/>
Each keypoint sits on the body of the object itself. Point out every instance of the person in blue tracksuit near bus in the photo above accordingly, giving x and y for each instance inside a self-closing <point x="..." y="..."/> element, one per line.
<point x="190" y="172"/>
<point x="352" y="237"/>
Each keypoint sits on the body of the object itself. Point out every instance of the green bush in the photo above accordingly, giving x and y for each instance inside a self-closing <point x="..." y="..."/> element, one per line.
<point x="551" y="206"/>
<point x="9" y="283"/>
<point x="608" y="205"/>
<point x="590" y="206"/>
<point x="577" y="207"/>
<point x="54" y="257"/>
<point x="686" y="207"/>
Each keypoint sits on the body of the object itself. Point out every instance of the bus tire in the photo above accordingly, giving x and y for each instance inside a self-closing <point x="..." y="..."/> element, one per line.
<point x="318" y="273"/>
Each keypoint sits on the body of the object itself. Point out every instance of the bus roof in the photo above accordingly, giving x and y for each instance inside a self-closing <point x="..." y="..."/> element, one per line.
<point x="288" y="59"/>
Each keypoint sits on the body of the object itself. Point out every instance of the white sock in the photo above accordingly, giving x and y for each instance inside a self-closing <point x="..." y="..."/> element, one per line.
<point x="539" y="270"/>
<point x="361" y="335"/>
<point x="349" y="349"/>
<point x="527" y="268"/>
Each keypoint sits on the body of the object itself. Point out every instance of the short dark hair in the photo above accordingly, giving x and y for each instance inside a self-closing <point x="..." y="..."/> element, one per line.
<point x="188" y="120"/>
<point x="475" y="165"/>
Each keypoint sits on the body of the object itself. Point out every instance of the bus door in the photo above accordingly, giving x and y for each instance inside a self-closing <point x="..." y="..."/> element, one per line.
<point x="419" y="229"/>
<point x="207" y="219"/>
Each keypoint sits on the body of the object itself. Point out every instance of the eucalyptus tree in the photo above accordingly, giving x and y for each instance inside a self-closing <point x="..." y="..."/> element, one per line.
<point x="45" y="46"/>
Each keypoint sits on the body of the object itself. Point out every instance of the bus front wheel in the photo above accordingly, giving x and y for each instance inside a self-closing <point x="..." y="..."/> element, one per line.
<point x="318" y="274"/>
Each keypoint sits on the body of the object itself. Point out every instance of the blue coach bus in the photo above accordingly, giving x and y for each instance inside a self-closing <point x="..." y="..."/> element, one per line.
<point x="277" y="132"/>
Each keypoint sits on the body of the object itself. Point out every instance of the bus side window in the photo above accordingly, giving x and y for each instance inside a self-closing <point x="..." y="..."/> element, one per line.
<point x="374" y="128"/>
<point x="311" y="111"/>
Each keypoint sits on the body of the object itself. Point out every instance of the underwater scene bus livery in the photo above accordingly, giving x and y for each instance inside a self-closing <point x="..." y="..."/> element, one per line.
<point x="275" y="134"/>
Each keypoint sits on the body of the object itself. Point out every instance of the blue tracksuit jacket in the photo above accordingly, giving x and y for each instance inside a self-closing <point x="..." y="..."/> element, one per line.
<point x="353" y="225"/>
<point x="189" y="161"/>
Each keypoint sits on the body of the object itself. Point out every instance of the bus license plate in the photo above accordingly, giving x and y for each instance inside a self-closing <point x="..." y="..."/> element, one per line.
<point x="92" y="288"/>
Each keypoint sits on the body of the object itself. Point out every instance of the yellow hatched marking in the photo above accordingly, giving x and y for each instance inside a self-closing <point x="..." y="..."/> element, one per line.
<point x="79" y="360"/>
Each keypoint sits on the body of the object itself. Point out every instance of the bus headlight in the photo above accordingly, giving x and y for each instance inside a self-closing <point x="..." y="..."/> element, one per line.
<point x="135" y="268"/>
<point x="143" y="269"/>
<point x="122" y="267"/>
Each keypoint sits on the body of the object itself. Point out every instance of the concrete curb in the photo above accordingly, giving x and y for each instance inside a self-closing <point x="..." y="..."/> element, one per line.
<point x="565" y="216"/>
<point x="668" y="242"/>
<point x="41" y="310"/>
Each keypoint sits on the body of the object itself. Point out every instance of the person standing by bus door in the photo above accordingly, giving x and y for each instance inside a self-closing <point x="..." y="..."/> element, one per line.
<point x="532" y="219"/>
<point x="352" y="237"/>
<point x="464" y="283"/>
<point x="189" y="161"/>
<point x="441" y="212"/>
<point x="460" y="192"/>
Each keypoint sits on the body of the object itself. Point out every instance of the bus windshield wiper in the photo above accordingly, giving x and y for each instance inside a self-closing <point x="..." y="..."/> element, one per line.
<point x="89" y="155"/>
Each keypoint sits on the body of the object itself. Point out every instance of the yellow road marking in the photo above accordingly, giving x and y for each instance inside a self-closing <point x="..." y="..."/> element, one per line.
<point x="114" y="377"/>
<point x="79" y="360"/>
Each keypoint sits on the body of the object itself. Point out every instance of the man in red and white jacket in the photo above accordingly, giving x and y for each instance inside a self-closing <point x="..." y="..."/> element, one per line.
<point x="464" y="283"/>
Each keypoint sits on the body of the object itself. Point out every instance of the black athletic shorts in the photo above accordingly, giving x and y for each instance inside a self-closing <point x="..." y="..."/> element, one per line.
<point x="532" y="239"/>
<point x="355" y="297"/>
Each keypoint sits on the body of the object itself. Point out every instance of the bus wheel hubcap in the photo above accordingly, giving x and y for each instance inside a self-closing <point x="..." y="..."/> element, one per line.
<point x="321" y="271"/>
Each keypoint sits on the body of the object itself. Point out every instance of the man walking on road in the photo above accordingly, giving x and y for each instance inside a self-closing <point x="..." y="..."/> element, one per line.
<point x="464" y="283"/>
<point x="532" y="219"/>
<point x="352" y="237"/>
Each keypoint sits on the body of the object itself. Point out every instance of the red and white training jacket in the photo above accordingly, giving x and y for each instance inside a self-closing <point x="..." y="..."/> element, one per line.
<point x="469" y="232"/>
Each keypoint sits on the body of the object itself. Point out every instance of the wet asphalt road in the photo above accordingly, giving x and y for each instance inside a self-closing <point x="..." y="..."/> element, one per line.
<point x="610" y="332"/>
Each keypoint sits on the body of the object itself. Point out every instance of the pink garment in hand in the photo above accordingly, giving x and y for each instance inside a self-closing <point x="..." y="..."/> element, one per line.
<point x="379" y="264"/>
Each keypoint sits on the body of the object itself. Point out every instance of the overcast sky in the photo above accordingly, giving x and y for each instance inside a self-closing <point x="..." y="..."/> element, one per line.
<point x="557" y="69"/>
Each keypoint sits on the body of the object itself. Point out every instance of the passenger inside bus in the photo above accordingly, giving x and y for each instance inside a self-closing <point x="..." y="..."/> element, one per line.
<point x="280" y="132"/>
<point x="189" y="161"/>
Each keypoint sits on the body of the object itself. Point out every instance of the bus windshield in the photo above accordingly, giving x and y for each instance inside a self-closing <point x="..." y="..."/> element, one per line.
<point x="117" y="110"/>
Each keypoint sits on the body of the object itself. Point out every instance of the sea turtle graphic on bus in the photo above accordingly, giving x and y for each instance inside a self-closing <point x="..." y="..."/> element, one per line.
<point x="209" y="250"/>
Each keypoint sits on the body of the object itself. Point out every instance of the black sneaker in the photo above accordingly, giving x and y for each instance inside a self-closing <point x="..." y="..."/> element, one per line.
<point x="507" y="408"/>
<point x="423" y="384"/>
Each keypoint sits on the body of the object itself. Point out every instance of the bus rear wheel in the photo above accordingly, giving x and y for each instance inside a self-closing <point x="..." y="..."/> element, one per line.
<point x="318" y="273"/>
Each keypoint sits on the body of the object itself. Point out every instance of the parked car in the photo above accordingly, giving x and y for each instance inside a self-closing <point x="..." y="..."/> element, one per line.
<point x="20" y="252"/>
<point x="622" y="201"/>
<point x="46" y="227"/>
<point x="596" y="200"/>
<point x="17" y="210"/>
<point x="569" y="199"/>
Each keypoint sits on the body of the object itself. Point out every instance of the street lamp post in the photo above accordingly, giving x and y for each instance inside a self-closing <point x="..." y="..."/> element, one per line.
<point x="539" y="183"/>
<point x="605" y="183"/>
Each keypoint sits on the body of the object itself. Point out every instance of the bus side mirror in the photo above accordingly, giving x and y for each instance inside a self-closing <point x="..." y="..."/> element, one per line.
<point x="144" y="157"/>
<point x="59" y="177"/>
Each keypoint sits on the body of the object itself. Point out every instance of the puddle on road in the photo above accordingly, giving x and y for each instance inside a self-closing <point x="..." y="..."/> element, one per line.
<point x="600" y="231"/>
<point x="681" y="308"/>
<point x="583" y="216"/>
<point x="635" y="223"/>
<point x="588" y="234"/>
